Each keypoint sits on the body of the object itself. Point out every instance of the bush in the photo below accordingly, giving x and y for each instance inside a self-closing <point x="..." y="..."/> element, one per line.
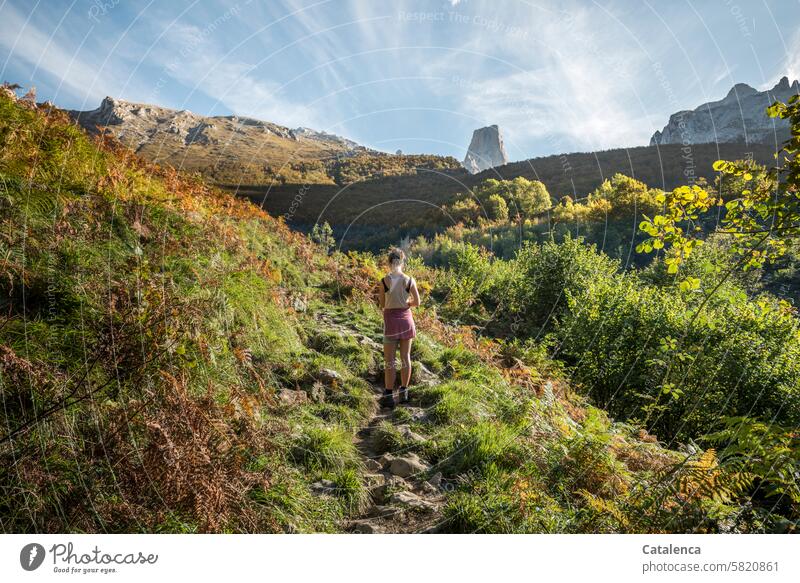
<point x="645" y="356"/>
<point x="534" y="293"/>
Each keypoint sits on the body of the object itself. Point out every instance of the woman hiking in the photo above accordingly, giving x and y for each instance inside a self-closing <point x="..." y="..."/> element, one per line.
<point x="397" y="294"/>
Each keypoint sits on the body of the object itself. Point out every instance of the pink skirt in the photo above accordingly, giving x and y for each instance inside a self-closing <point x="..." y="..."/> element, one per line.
<point x="398" y="324"/>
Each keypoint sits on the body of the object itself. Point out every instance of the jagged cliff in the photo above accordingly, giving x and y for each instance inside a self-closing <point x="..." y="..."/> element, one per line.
<point x="486" y="150"/>
<point x="738" y="117"/>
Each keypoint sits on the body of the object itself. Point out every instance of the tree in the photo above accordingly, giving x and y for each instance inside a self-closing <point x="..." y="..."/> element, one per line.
<point x="531" y="196"/>
<point x="497" y="208"/>
<point x="464" y="210"/>
<point x="323" y="236"/>
<point x="625" y="197"/>
<point x="523" y="197"/>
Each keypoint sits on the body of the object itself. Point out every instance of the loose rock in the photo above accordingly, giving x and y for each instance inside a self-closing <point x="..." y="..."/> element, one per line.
<point x="329" y="376"/>
<point x="385" y="460"/>
<point x="392" y="483"/>
<point x="412" y="501"/>
<point x="407" y="466"/>
<point x="421" y="375"/>
<point x="324" y="487"/>
<point x="373" y="465"/>
<point x="409" y="435"/>
<point x="379" y="511"/>
<point x="374" y="479"/>
<point x="436" y="479"/>
<point x="366" y="527"/>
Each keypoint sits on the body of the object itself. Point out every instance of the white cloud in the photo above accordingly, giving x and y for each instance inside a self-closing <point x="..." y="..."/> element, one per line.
<point x="569" y="82"/>
<point x="791" y="67"/>
<point x="45" y="52"/>
<point x="194" y="59"/>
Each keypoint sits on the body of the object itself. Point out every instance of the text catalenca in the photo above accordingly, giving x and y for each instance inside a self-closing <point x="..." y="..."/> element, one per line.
<point x="669" y="550"/>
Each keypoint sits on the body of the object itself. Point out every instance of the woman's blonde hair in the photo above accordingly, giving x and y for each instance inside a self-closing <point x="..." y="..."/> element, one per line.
<point x="396" y="256"/>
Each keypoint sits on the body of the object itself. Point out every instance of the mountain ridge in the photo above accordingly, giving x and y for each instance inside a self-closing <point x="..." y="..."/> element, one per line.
<point x="740" y="116"/>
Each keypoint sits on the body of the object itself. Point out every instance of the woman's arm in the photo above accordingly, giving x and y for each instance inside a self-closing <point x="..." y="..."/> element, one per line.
<point x="413" y="298"/>
<point x="381" y="295"/>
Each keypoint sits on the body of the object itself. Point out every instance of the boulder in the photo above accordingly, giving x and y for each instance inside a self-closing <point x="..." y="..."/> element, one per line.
<point x="409" y="435"/>
<point x="373" y="479"/>
<point x="421" y="375"/>
<point x="408" y="465"/>
<point x="385" y="460"/>
<point x="428" y="488"/>
<point x="329" y="376"/>
<point x="373" y="465"/>
<point x="392" y="483"/>
<point x="367" y="341"/>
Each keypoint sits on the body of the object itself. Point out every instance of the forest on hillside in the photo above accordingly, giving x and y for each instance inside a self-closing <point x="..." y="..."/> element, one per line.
<point x="380" y="200"/>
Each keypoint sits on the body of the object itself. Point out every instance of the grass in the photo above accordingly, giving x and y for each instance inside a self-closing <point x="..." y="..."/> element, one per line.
<point x="323" y="448"/>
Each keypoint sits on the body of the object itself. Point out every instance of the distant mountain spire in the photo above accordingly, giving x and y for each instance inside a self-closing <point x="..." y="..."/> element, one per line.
<point x="486" y="150"/>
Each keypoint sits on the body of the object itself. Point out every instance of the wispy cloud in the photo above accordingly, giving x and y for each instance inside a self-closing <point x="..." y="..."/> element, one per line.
<point x="45" y="52"/>
<point x="792" y="64"/>
<point x="195" y="59"/>
<point x="566" y="84"/>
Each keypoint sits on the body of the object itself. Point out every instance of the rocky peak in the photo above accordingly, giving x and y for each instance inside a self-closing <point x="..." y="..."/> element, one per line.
<point x="739" y="117"/>
<point x="741" y="90"/>
<point x="486" y="150"/>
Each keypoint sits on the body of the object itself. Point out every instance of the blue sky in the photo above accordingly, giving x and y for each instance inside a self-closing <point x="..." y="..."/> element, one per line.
<point x="411" y="75"/>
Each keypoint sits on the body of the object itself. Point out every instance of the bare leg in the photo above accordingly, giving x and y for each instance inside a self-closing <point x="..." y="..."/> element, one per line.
<point x="405" y="359"/>
<point x="389" y="374"/>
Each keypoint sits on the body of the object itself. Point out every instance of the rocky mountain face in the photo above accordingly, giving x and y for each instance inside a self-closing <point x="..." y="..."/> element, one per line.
<point x="486" y="150"/>
<point x="739" y="117"/>
<point x="225" y="148"/>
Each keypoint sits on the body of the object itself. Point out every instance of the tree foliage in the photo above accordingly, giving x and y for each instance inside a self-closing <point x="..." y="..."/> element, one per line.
<point x="762" y="217"/>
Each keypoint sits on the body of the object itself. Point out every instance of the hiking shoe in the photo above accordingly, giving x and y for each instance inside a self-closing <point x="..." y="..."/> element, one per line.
<point x="404" y="398"/>
<point x="387" y="399"/>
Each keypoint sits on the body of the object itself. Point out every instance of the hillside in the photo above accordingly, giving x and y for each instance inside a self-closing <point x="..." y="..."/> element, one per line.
<point x="370" y="198"/>
<point x="383" y="210"/>
<point x="233" y="149"/>
<point x="175" y="360"/>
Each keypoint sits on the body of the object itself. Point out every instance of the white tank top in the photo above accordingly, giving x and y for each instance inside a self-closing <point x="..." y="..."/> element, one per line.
<point x="397" y="292"/>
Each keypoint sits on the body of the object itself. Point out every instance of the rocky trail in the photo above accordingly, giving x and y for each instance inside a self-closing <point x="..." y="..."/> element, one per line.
<point x="405" y="498"/>
<point x="405" y="493"/>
